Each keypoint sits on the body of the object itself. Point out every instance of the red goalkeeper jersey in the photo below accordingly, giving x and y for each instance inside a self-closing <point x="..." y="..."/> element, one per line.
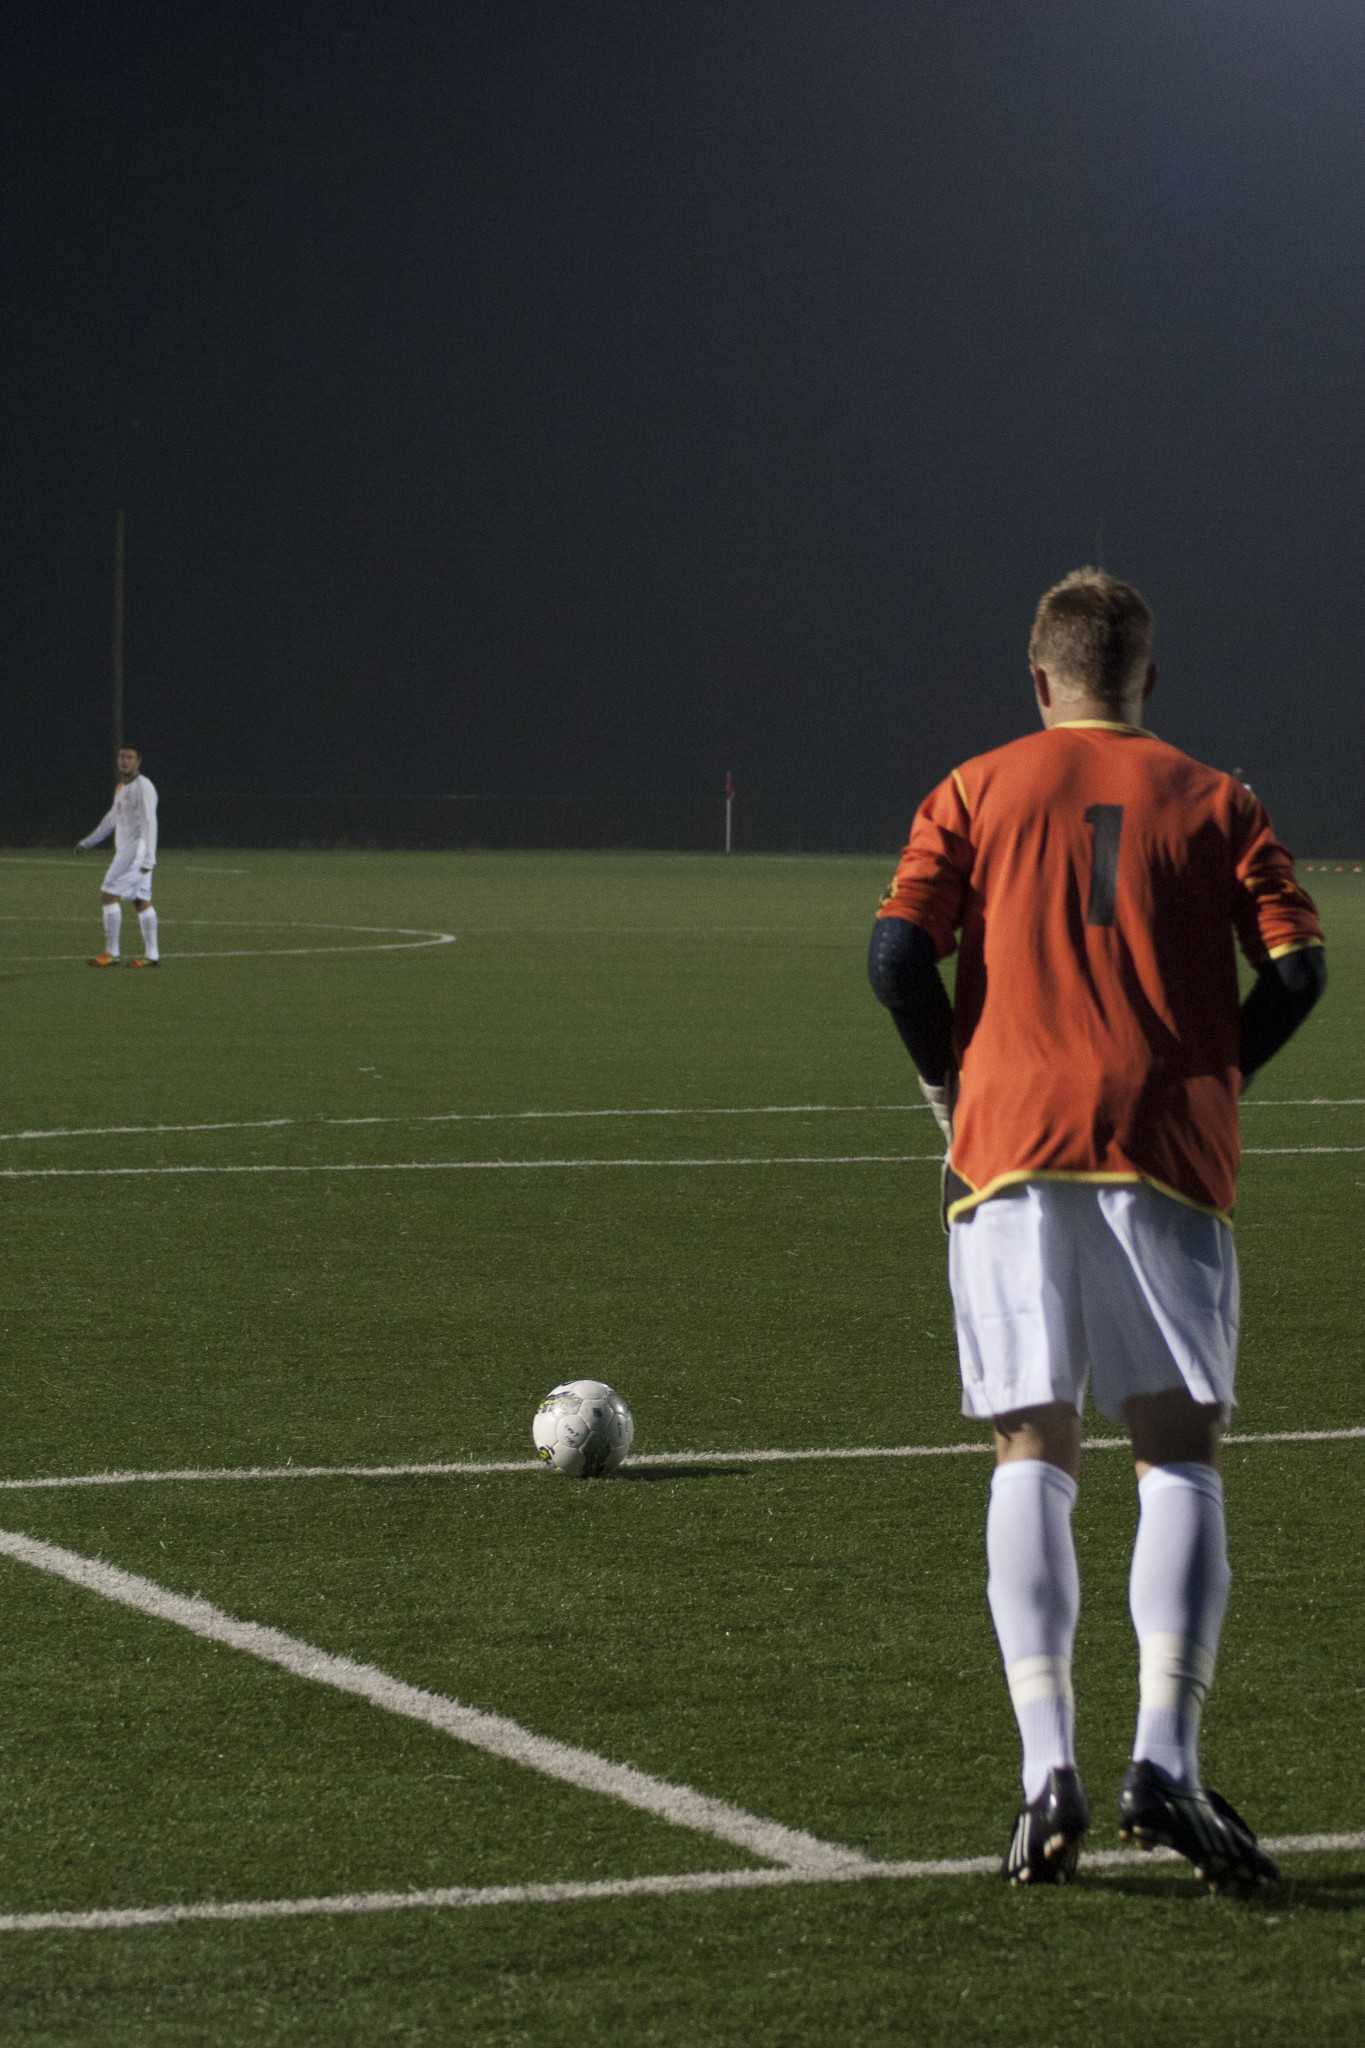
<point x="1096" y="882"/>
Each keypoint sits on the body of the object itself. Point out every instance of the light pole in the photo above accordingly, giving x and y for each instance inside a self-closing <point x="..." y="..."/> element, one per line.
<point x="116" y="636"/>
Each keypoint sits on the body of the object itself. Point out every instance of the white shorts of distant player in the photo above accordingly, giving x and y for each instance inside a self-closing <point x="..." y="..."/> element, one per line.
<point x="1056" y="1283"/>
<point x="123" y="878"/>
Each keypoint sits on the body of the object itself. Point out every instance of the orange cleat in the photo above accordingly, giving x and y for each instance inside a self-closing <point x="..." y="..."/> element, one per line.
<point x="104" y="960"/>
<point x="144" y="963"/>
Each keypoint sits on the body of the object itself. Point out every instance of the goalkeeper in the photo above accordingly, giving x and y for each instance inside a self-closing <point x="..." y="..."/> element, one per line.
<point x="1096" y="882"/>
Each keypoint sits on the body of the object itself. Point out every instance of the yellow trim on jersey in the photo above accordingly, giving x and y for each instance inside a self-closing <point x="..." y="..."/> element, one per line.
<point x="1097" y="1179"/>
<point x="1294" y="946"/>
<point x="1100" y="725"/>
<point x="1067" y="725"/>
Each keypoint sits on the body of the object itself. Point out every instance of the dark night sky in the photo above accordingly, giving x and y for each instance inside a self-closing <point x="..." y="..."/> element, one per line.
<point x="579" y="397"/>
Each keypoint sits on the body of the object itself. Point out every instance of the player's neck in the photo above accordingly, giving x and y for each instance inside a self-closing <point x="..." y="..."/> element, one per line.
<point x="1092" y="711"/>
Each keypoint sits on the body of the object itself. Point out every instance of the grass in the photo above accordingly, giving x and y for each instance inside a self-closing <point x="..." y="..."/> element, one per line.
<point x="807" y="1640"/>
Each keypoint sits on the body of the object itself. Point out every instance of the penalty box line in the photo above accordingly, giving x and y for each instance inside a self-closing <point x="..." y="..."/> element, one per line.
<point x="521" y="1116"/>
<point x="767" y="1840"/>
<point x="447" y="1898"/>
<point x="556" y="1165"/>
<point x="475" y="1468"/>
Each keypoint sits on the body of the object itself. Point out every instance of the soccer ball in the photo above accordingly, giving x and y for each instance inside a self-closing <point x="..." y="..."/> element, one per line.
<point x="582" y="1429"/>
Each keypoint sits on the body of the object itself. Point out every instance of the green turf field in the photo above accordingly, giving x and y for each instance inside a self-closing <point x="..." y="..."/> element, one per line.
<point x="389" y="1146"/>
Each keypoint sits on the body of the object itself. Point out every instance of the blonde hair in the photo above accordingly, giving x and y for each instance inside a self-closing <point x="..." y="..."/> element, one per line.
<point x="1093" y="633"/>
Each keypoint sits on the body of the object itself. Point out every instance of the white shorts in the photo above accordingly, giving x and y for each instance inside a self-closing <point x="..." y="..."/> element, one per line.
<point x="123" y="878"/>
<point x="1056" y="1282"/>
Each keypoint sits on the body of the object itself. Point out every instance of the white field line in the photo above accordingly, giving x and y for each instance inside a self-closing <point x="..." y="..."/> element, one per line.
<point x="9" y="860"/>
<point x="469" y="1468"/>
<point x="1294" y="1151"/>
<point x="494" y="1734"/>
<point x="409" y="939"/>
<point x="517" y="1116"/>
<point x="469" y="1166"/>
<point x="463" y="1897"/>
<point x="560" y="1165"/>
<point x="463" y="1116"/>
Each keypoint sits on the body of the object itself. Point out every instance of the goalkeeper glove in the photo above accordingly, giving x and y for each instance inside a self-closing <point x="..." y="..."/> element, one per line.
<point x="942" y="1100"/>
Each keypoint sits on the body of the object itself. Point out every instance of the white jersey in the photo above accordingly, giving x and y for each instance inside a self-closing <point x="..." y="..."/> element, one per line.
<point x="132" y="820"/>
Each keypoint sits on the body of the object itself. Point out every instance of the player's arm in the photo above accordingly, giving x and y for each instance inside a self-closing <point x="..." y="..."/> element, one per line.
<point x="101" y="831"/>
<point x="1285" y="991"/>
<point x="902" y="967"/>
<point x="1279" y="931"/>
<point x="915" y="928"/>
<point x="147" y="846"/>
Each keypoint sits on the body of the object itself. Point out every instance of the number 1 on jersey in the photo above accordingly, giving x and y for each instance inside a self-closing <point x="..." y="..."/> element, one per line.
<point x="1106" y="822"/>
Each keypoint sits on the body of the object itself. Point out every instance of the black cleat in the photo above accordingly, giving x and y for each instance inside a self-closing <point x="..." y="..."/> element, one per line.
<point x="1046" y="1844"/>
<point x="1155" y="1812"/>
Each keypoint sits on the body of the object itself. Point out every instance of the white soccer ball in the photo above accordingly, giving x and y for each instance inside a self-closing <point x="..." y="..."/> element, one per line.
<point x="582" y="1429"/>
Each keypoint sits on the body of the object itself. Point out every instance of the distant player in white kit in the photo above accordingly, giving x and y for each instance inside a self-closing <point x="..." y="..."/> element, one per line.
<point x="131" y="818"/>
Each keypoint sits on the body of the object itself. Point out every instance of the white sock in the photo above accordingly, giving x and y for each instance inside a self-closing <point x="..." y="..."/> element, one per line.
<point x="147" y="923"/>
<point x="1035" y="1597"/>
<point x="113" y="925"/>
<point x="1177" y="1594"/>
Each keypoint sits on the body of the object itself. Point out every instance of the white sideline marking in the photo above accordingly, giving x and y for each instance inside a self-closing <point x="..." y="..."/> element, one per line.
<point x="517" y="1116"/>
<point x="493" y="1733"/>
<point x="469" y="1468"/>
<point x="559" y="1165"/>
<point x="463" y="1897"/>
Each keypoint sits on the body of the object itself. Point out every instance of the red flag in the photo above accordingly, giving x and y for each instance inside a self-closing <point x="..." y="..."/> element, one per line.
<point x="729" y="785"/>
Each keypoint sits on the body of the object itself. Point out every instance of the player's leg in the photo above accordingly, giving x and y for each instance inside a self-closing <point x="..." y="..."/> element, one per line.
<point x="1165" y="1290"/>
<point x="1033" y="1586"/>
<point x="1178" y="1585"/>
<point x="146" y="918"/>
<point x="1016" y="1337"/>
<point x="1178" y="1594"/>
<point x="1162" y="1308"/>
<point x="111" y="913"/>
